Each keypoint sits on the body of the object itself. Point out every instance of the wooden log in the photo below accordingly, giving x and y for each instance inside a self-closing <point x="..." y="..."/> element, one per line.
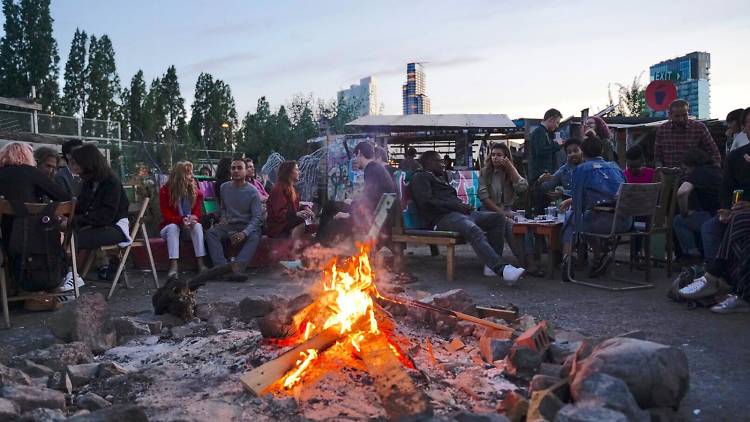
<point x="508" y="315"/>
<point x="400" y="397"/>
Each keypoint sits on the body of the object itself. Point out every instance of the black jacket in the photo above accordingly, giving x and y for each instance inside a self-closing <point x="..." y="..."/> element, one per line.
<point x="434" y="197"/>
<point x="29" y="184"/>
<point x="736" y="176"/>
<point x="102" y="206"/>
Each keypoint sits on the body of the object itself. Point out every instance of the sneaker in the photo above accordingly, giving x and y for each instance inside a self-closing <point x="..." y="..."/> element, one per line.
<point x="703" y="286"/>
<point x="511" y="274"/>
<point x="488" y="272"/>
<point x="601" y="265"/>
<point x="730" y="305"/>
<point x="67" y="284"/>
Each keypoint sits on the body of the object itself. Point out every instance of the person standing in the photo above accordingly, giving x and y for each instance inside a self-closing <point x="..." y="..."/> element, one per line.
<point x="409" y="163"/>
<point x="241" y="220"/>
<point x="181" y="205"/>
<point x="70" y="181"/>
<point x="675" y="137"/>
<point x="542" y="146"/>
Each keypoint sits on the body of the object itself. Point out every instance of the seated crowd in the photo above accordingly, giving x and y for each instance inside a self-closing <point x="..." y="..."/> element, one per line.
<point x="579" y="175"/>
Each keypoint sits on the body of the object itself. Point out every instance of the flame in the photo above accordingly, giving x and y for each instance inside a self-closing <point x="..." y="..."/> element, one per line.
<point x="302" y="363"/>
<point x="309" y="327"/>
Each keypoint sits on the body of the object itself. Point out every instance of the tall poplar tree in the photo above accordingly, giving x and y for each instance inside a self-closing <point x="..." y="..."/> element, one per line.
<point x="74" y="90"/>
<point x="102" y="82"/>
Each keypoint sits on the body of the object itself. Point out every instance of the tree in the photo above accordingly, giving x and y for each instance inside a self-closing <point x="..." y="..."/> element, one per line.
<point x="153" y="112"/>
<point x="632" y="99"/>
<point x="134" y="106"/>
<point x="213" y="108"/>
<point x="74" y="90"/>
<point x="102" y="82"/>
<point x="12" y="79"/>
<point x="254" y="131"/>
<point x="174" y="130"/>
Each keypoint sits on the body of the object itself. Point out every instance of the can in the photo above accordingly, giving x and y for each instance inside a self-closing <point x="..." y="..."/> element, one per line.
<point x="737" y="196"/>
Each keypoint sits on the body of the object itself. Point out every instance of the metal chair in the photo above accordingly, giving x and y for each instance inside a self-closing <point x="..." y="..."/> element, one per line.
<point x="64" y="209"/>
<point x="633" y="200"/>
<point x="123" y="253"/>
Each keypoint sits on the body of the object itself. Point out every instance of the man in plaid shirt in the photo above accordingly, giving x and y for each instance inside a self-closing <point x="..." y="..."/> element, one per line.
<point x="679" y="134"/>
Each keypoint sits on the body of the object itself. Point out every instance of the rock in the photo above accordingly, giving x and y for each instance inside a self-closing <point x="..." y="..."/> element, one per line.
<point x="33" y="369"/>
<point x="544" y="404"/>
<point x="588" y="412"/>
<point x="58" y="356"/>
<point x="523" y="361"/>
<point x="551" y="369"/>
<point x="110" y="369"/>
<point x="479" y="417"/>
<point x="205" y="311"/>
<point x="193" y="329"/>
<point x="127" y="327"/>
<point x="82" y="374"/>
<point x="664" y="414"/>
<point x="542" y="382"/>
<point x="43" y="415"/>
<point x="493" y="349"/>
<point x="8" y="410"/>
<point x="279" y="324"/>
<point x="118" y="413"/>
<point x="455" y="300"/>
<point x="465" y="328"/>
<point x="20" y="340"/>
<point x="84" y="319"/>
<point x="28" y="398"/>
<point x="154" y="326"/>
<point x="656" y="374"/>
<point x="610" y="392"/>
<point x="255" y="307"/>
<point x="515" y="406"/>
<point x="60" y="381"/>
<point x="13" y="376"/>
<point x="91" y="402"/>
<point x="560" y="350"/>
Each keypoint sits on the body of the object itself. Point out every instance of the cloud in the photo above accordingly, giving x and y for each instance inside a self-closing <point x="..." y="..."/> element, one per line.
<point x="222" y="61"/>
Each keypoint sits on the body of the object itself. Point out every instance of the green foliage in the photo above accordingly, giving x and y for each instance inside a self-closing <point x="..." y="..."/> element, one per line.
<point x="74" y="90"/>
<point x="213" y="108"/>
<point x="28" y="52"/>
<point x="632" y="98"/>
<point x="102" y="82"/>
<point x="133" y="106"/>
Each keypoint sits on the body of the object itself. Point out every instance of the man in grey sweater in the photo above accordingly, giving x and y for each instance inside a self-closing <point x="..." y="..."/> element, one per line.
<point x="240" y="221"/>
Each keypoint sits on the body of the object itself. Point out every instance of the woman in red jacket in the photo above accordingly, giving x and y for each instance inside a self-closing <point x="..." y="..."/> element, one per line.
<point x="285" y="217"/>
<point x="181" y="203"/>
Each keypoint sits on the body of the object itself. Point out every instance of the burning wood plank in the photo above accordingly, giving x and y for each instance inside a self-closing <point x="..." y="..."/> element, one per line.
<point x="398" y="394"/>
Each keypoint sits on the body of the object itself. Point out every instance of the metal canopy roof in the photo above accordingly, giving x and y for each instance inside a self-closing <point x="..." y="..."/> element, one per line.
<point x="435" y="121"/>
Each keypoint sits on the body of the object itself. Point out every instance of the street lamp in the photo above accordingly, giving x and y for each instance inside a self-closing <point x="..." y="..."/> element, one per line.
<point x="226" y="126"/>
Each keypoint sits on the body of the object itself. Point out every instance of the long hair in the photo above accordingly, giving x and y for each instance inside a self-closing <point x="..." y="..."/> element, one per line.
<point x="180" y="185"/>
<point x="93" y="165"/>
<point x="487" y="171"/>
<point x="16" y="154"/>
<point x="601" y="129"/>
<point x="223" y="170"/>
<point x="285" y="182"/>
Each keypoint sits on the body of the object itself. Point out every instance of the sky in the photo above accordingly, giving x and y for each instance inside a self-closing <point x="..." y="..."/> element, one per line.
<point x="497" y="56"/>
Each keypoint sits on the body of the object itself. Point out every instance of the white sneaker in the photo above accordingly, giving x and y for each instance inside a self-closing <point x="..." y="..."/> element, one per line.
<point x="700" y="287"/>
<point x="511" y="274"/>
<point x="67" y="283"/>
<point x="730" y="305"/>
<point x="488" y="272"/>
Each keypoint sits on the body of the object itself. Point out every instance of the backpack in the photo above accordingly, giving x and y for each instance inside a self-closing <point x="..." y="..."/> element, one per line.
<point x="36" y="254"/>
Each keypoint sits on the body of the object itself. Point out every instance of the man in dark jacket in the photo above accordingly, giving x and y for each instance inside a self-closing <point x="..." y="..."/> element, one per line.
<point x="441" y="209"/>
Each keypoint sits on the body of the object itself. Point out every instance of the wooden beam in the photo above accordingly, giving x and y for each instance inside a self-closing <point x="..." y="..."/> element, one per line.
<point x="505" y="314"/>
<point x="399" y="396"/>
<point x="20" y="103"/>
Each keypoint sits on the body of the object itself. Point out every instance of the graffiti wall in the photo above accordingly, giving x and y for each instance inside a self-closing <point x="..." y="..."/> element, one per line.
<point x="342" y="180"/>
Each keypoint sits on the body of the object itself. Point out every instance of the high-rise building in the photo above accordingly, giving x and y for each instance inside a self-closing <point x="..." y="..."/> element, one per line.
<point x="691" y="75"/>
<point x="364" y="96"/>
<point x="414" y="91"/>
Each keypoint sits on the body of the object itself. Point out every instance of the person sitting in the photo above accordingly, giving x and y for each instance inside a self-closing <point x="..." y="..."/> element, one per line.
<point x="360" y="214"/>
<point x="286" y="219"/>
<point x="181" y="205"/>
<point x="254" y="180"/>
<point x="564" y="175"/>
<point x="47" y="160"/>
<point x="698" y="201"/>
<point x="737" y="129"/>
<point x="595" y="182"/>
<point x="65" y="177"/>
<point x="440" y="208"/>
<point x="635" y="172"/>
<point x="205" y="171"/>
<point x="223" y="174"/>
<point x="409" y="163"/>
<point x="241" y="219"/>
<point x="499" y="184"/>
<point x="595" y="126"/>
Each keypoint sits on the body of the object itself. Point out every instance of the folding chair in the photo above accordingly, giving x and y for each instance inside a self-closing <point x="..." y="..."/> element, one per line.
<point x="123" y="253"/>
<point x="666" y="210"/>
<point x="64" y="209"/>
<point x="633" y="200"/>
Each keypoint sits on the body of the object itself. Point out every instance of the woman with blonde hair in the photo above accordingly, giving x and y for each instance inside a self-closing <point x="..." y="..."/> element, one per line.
<point x="181" y="205"/>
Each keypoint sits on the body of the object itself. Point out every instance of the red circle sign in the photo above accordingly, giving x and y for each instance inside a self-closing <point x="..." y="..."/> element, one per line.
<point x="659" y="94"/>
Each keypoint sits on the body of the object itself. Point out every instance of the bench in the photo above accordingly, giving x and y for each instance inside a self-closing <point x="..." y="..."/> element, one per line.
<point x="407" y="227"/>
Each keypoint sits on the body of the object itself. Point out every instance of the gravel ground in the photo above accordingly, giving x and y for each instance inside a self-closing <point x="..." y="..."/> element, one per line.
<point x="717" y="346"/>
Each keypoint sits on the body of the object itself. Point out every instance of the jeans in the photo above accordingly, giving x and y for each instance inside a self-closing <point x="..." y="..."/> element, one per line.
<point x="171" y="233"/>
<point x="221" y="232"/>
<point x="485" y="232"/>
<point x="712" y="231"/>
<point x="520" y="247"/>
<point x="688" y="230"/>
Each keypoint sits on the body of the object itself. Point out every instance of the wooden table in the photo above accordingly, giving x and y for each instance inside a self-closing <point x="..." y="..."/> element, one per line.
<point x="552" y="233"/>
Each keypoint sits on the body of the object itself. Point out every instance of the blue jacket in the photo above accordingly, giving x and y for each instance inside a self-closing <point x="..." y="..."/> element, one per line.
<point x="594" y="181"/>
